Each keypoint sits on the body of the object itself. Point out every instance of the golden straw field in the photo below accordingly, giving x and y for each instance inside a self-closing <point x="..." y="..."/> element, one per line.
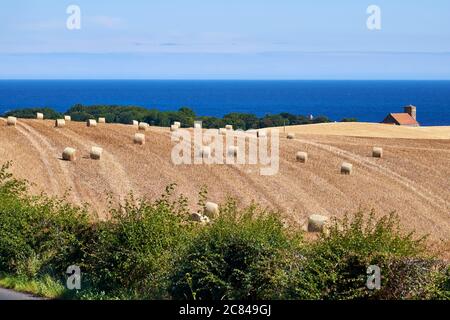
<point x="412" y="178"/>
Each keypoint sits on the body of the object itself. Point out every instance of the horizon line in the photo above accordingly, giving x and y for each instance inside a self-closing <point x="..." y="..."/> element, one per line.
<point x="210" y="79"/>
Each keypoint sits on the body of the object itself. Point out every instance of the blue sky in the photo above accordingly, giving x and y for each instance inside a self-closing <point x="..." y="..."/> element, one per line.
<point x="225" y="39"/>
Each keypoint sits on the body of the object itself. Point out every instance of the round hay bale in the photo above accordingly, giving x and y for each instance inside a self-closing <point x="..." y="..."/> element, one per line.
<point x="317" y="223"/>
<point x="139" y="138"/>
<point x="177" y="123"/>
<point x="135" y="123"/>
<point x="91" y="123"/>
<point x="346" y="168"/>
<point x="302" y="157"/>
<point x="101" y="120"/>
<point x="143" y="126"/>
<point x="40" y="116"/>
<point x="211" y="210"/>
<point x="174" y="128"/>
<point x="197" y="125"/>
<point x="229" y="127"/>
<point x="377" y="152"/>
<point x="69" y="154"/>
<point x="67" y="118"/>
<point x="291" y="136"/>
<point x="11" y="121"/>
<point x="96" y="153"/>
<point x="60" y="123"/>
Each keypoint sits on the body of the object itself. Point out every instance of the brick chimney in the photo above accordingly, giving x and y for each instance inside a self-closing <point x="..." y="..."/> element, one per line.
<point x="412" y="111"/>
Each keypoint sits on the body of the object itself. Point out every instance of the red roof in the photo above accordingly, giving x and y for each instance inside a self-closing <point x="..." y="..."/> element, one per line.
<point x="404" y="119"/>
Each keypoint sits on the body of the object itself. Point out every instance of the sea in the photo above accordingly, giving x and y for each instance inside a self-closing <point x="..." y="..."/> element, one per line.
<point x="368" y="101"/>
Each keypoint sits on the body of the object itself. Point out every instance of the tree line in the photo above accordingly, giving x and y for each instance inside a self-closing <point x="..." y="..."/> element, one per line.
<point x="185" y="115"/>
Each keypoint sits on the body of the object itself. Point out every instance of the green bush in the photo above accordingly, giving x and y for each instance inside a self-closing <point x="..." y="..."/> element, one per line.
<point x="138" y="247"/>
<point x="38" y="234"/>
<point x="242" y="255"/>
<point x="440" y="287"/>
<point x="335" y="266"/>
<point x="415" y="278"/>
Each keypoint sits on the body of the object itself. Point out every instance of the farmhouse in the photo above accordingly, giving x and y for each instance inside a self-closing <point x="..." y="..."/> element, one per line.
<point x="408" y="118"/>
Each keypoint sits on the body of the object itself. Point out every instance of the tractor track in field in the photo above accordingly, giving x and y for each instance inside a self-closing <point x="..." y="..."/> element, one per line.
<point x="49" y="156"/>
<point x="394" y="176"/>
<point x="111" y="169"/>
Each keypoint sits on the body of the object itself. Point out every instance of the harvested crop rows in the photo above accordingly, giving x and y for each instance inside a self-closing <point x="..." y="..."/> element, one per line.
<point x="412" y="178"/>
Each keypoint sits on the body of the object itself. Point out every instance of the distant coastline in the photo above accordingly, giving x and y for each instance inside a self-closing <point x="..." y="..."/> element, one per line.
<point x="186" y="116"/>
<point x="367" y="101"/>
